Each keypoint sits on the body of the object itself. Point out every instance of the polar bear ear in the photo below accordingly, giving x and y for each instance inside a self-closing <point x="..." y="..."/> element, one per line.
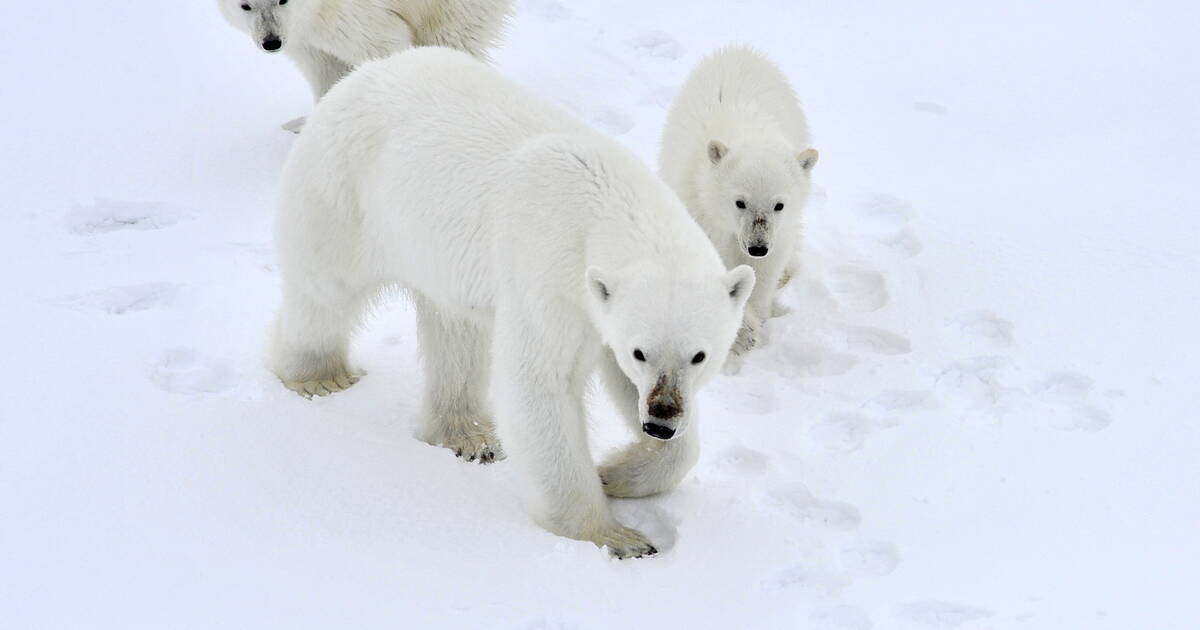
<point x="716" y="151"/>
<point x="807" y="159"/>
<point x="597" y="285"/>
<point x="739" y="282"/>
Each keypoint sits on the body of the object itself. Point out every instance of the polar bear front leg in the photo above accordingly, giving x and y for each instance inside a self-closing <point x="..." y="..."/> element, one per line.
<point x="539" y="376"/>
<point x="457" y="357"/>
<point x="647" y="466"/>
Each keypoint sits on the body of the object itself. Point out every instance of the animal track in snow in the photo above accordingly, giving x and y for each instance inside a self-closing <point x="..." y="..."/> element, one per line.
<point x="886" y="219"/>
<point x="1065" y="395"/>
<point x="108" y="215"/>
<point x="657" y="44"/>
<point x="926" y="107"/>
<point x="902" y="401"/>
<point x="840" y="618"/>
<point x="977" y="383"/>
<point x="877" y="558"/>
<point x="796" y="500"/>
<point x="986" y="325"/>
<point x="613" y="123"/>
<point x="938" y="614"/>
<point x="846" y="432"/>
<point x="812" y="582"/>
<point x="742" y="461"/>
<point x="806" y="359"/>
<point x="122" y="300"/>
<point x="182" y="371"/>
<point x="905" y="243"/>
<point x="858" y="288"/>
<point x="876" y="340"/>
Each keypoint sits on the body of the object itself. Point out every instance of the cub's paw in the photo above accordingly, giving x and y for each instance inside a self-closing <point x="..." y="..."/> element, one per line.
<point x="748" y="337"/>
<point x="623" y="542"/>
<point x="321" y="387"/>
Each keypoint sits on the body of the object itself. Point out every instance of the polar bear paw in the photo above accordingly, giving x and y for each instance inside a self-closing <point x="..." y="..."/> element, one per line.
<point x="481" y="447"/>
<point x="471" y="439"/>
<point x="624" y="542"/>
<point x="322" y="387"/>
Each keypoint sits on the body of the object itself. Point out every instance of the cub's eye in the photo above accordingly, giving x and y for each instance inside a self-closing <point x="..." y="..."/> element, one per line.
<point x="245" y="7"/>
<point x="740" y="204"/>
<point x="778" y="207"/>
<point x="637" y="354"/>
<point x="282" y="2"/>
<point x="699" y="358"/>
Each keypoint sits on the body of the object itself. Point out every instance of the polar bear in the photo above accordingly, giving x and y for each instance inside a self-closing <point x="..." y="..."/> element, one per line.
<point x="535" y="251"/>
<point x="327" y="38"/>
<point x="736" y="149"/>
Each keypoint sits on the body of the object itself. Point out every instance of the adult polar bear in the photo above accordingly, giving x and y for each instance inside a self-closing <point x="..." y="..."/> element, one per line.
<point x="736" y="148"/>
<point x="534" y="249"/>
<point x="327" y="38"/>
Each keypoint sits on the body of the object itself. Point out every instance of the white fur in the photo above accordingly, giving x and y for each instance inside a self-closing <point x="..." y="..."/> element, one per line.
<point x="736" y="133"/>
<point x="327" y="38"/>
<point x="535" y="250"/>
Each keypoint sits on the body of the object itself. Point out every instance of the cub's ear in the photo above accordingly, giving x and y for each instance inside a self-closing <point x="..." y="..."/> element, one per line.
<point x="739" y="282"/>
<point x="716" y="151"/>
<point x="598" y="286"/>
<point x="807" y="159"/>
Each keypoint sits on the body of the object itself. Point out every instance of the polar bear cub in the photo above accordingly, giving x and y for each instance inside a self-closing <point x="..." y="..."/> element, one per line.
<point x="535" y="251"/>
<point x="327" y="38"/>
<point x="736" y="149"/>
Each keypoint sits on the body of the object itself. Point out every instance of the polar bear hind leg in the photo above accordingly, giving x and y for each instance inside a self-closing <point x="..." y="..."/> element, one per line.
<point x="457" y="359"/>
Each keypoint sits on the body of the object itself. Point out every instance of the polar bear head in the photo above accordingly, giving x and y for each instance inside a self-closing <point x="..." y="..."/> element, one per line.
<point x="756" y="188"/>
<point x="669" y="334"/>
<point x="267" y="22"/>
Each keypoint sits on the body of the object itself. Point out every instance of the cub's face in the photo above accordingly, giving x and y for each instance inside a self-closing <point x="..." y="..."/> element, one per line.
<point x="757" y="190"/>
<point x="267" y="22"/>
<point x="669" y="336"/>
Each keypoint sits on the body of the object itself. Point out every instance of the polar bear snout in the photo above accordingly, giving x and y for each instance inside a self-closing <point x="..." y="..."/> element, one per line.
<point x="272" y="43"/>
<point x="660" y="431"/>
<point x="757" y="250"/>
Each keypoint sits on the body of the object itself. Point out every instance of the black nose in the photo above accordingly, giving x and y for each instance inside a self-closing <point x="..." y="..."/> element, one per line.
<point x="757" y="251"/>
<point x="664" y="411"/>
<point x="272" y="44"/>
<point x="658" y="431"/>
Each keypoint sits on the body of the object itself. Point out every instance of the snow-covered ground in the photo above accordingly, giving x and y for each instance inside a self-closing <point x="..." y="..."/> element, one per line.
<point x="980" y="413"/>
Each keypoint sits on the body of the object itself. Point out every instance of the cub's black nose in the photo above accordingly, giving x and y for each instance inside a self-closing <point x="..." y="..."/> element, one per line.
<point x="658" y="431"/>
<point x="272" y="44"/>
<point x="664" y="411"/>
<point x="757" y="251"/>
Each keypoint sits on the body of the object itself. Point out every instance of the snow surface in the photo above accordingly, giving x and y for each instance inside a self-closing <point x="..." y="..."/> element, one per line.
<point x="980" y="412"/>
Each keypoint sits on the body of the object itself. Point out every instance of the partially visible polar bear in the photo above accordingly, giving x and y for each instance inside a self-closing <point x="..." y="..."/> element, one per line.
<point x="327" y="38"/>
<point x="736" y="149"/>
<point x="534" y="250"/>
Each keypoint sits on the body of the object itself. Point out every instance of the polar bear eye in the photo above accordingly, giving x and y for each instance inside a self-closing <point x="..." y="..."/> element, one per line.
<point x="778" y="207"/>
<point x="282" y="2"/>
<point x="245" y="7"/>
<point x="637" y="354"/>
<point x="740" y="204"/>
<point x="699" y="358"/>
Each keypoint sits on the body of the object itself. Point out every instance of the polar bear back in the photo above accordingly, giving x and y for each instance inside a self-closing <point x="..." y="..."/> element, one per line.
<point x="734" y="92"/>
<point x="423" y="164"/>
